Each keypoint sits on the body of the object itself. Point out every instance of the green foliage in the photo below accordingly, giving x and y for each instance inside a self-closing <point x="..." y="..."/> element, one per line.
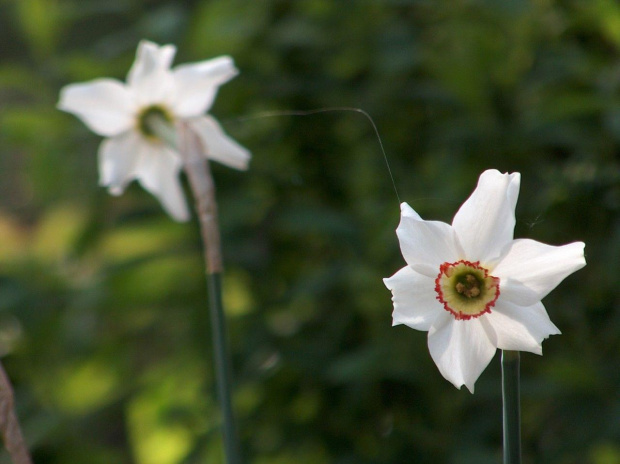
<point x="102" y="300"/>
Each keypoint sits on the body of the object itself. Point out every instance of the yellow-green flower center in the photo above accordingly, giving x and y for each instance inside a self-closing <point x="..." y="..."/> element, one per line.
<point x="466" y="289"/>
<point x="152" y="115"/>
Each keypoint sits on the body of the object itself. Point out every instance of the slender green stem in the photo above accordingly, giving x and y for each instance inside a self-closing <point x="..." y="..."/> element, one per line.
<point x="511" y="407"/>
<point x="203" y="188"/>
<point x="201" y="182"/>
<point x="222" y="367"/>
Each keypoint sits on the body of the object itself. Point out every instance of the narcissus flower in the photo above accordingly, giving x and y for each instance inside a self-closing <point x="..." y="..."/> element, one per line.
<point x="474" y="288"/>
<point x="120" y="112"/>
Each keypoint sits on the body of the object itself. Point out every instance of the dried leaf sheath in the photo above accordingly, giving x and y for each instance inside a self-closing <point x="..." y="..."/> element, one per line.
<point x="198" y="173"/>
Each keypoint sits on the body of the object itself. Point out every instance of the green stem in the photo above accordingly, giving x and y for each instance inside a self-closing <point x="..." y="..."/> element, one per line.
<point x="511" y="407"/>
<point x="201" y="182"/>
<point x="203" y="188"/>
<point x="222" y="367"/>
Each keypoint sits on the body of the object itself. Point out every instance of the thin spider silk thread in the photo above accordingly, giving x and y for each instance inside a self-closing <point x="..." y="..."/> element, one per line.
<point x="272" y="114"/>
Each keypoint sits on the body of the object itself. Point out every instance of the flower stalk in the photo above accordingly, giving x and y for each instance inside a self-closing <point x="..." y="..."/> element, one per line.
<point x="156" y="124"/>
<point x="201" y="182"/>
<point x="196" y="166"/>
<point x="511" y="407"/>
<point x="9" y="425"/>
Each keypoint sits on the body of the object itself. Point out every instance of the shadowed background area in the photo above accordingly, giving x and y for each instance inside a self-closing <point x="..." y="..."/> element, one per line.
<point x="103" y="324"/>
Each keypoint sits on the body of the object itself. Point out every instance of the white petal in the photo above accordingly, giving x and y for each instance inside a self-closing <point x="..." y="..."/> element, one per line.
<point x="158" y="172"/>
<point x="516" y="292"/>
<point x="118" y="157"/>
<point x="408" y="211"/>
<point x="197" y="84"/>
<point x="485" y="222"/>
<point x="105" y="105"/>
<point x="461" y="349"/>
<point x="150" y="77"/>
<point x="414" y="297"/>
<point x="426" y="245"/>
<point x="538" y="266"/>
<point x="519" y="328"/>
<point x="219" y="146"/>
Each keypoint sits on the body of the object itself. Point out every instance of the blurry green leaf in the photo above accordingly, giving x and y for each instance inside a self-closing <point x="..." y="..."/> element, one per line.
<point x="40" y="24"/>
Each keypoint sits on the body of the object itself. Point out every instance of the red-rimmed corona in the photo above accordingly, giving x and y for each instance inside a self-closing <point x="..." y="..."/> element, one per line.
<point x="466" y="289"/>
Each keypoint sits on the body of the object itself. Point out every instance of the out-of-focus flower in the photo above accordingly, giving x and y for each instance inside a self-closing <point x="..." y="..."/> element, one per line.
<point x="121" y="113"/>
<point x="474" y="288"/>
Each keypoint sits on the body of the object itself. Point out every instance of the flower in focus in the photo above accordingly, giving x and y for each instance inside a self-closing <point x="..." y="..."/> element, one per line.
<point x="474" y="288"/>
<point x="121" y="112"/>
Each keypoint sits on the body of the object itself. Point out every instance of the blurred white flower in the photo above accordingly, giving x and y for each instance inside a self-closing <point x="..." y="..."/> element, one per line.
<point x="119" y="112"/>
<point x="474" y="288"/>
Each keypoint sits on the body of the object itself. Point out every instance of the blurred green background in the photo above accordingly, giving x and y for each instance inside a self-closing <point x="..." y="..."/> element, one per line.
<point x="102" y="299"/>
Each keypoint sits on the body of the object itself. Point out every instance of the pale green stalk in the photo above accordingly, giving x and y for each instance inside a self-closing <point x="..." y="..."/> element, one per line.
<point x="511" y="407"/>
<point x="198" y="173"/>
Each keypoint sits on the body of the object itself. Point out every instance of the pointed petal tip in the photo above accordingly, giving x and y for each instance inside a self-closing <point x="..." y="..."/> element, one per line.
<point x="493" y="176"/>
<point x="225" y="62"/>
<point x="408" y="211"/>
<point x="485" y="222"/>
<point x="62" y="98"/>
<point x="181" y="218"/>
<point x="238" y="164"/>
<point x="459" y="385"/>
<point x="218" y="146"/>
<point x="540" y="350"/>
<point x="392" y="281"/>
<point x="105" y="105"/>
<point x="243" y="165"/>
<point x="553" y="331"/>
<point x="495" y="172"/>
<point x="154" y="46"/>
<point x="582" y="246"/>
<point x="178" y="212"/>
<point x="115" y="190"/>
<point x="146" y="42"/>
<point x="539" y="266"/>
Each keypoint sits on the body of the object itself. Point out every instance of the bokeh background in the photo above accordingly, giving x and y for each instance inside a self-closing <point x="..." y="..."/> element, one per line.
<point x="103" y="325"/>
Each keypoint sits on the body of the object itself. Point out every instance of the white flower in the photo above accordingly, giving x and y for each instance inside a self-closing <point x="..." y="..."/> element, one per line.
<point x="118" y="111"/>
<point x="474" y="288"/>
